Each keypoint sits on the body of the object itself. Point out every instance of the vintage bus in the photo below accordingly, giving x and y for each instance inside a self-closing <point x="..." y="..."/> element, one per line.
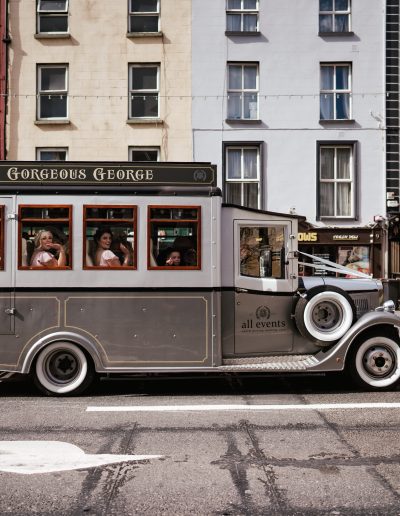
<point x="126" y="268"/>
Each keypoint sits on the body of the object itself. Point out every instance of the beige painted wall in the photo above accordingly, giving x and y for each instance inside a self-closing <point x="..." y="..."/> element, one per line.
<point x="98" y="53"/>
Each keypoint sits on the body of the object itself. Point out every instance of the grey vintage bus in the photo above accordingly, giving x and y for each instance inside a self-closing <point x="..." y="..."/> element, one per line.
<point x="125" y="268"/>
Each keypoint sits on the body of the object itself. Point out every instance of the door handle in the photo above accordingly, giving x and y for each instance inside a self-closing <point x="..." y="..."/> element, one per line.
<point x="10" y="311"/>
<point x="241" y="290"/>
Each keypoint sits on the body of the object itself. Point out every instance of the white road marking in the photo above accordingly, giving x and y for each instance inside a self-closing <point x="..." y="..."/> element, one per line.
<point x="29" y="457"/>
<point x="211" y="408"/>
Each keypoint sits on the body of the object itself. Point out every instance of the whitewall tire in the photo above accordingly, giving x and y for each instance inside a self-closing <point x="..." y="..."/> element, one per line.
<point x="325" y="316"/>
<point x="62" y="368"/>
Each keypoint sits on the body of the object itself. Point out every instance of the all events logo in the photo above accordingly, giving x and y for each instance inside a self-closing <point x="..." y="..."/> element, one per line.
<point x="263" y="312"/>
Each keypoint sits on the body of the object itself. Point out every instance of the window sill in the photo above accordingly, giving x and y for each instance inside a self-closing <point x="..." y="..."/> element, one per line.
<point x="242" y="120"/>
<point x="53" y="35"/>
<point x="336" y="34"/>
<point x="56" y="121"/>
<point x="158" y="34"/>
<point x="337" y="219"/>
<point x="155" y="121"/>
<point x="341" y="121"/>
<point x="242" y="33"/>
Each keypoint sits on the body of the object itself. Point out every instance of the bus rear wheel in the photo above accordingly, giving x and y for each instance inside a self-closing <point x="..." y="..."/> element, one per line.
<point x="63" y="369"/>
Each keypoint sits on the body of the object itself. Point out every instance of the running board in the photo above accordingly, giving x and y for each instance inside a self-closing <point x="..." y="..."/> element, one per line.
<point x="270" y="363"/>
<point x="5" y="374"/>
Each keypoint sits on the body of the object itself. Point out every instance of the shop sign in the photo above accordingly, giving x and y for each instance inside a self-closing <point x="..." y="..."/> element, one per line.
<point x="308" y="237"/>
<point x="347" y="237"/>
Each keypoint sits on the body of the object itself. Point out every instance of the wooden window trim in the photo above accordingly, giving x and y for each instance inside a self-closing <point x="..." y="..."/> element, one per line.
<point x="197" y="221"/>
<point x="103" y="221"/>
<point x="21" y="221"/>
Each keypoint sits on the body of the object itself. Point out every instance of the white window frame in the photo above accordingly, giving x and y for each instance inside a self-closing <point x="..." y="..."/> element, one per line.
<point x="242" y="180"/>
<point x="243" y="12"/>
<point x="132" y="14"/>
<point x="39" y="150"/>
<point x="333" y="13"/>
<point x="244" y="90"/>
<point x="335" y="180"/>
<point x="335" y="91"/>
<point x="144" y="92"/>
<point x="49" y="14"/>
<point x="50" y="93"/>
<point x="144" y="149"/>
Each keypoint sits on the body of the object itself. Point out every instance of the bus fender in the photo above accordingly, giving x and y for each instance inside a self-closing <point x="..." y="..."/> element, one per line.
<point x="84" y="342"/>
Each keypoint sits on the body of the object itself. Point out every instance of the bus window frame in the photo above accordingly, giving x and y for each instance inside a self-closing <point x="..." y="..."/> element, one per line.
<point x="38" y="221"/>
<point x="2" y="229"/>
<point x="149" y="235"/>
<point x="109" y="223"/>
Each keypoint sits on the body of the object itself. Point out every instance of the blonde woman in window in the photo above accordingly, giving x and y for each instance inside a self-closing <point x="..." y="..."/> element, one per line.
<point x="47" y="253"/>
<point x="103" y="256"/>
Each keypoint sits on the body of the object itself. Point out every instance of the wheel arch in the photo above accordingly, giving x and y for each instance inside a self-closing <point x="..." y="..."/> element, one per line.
<point x="84" y="343"/>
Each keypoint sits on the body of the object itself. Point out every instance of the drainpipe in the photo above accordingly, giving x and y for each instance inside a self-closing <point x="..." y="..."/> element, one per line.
<point x="4" y="41"/>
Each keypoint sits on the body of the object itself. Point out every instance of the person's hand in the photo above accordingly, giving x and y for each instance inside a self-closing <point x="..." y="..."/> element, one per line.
<point x="169" y="262"/>
<point x="58" y="247"/>
<point x="124" y="249"/>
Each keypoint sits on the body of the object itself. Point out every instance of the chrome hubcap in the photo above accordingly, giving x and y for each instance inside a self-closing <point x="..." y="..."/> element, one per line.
<point x="378" y="361"/>
<point x="62" y="366"/>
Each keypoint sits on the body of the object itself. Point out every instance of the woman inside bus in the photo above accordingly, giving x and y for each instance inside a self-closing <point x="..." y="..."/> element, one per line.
<point x="102" y="255"/>
<point x="48" y="253"/>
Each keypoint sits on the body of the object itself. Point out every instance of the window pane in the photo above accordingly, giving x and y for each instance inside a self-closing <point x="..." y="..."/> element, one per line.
<point x="52" y="5"/>
<point x="52" y="155"/>
<point x="233" y="22"/>
<point x="325" y="5"/>
<point x="147" y="6"/>
<point x="327" y="163"/>
<point x="343" y="163"/>
<point x="327" y="77"/>
<point x="250" y="4"/>
<point x="233" y="193"/>
<point x="144" y="155"/>
<point x="53" y="106"/>
<point x="326" y="106"/>
<point x="145" y="105"/>
<point x="235" y="77"/>
<point x="343" y="106"/>
<point x="250" y="106"/>
<point x="341" y="5"/>
<point x="144" y="24"/>
<point x="327" y="199"/>
<point x="234" y="105"/>
<point x="250" y="77"/>
<point x="250" y="163"/>
<point x="325" y="23"/>
<point x="234" y="4"/>
<point x="234" y="164"/>
<point x="342" y="77"/>
<point x="343" y="199"/>
<point x="250" y="195"/>
<point x="53" y="79"/>
<point x="342" y="23"/>
<point x="53" y="24"/>
<point x="261" y="251"/>
<point x="144" y="78"/>
<point x="250" y="22"/>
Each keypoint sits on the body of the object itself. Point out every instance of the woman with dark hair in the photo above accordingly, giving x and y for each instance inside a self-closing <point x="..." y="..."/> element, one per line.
<point x="102" y="255"/>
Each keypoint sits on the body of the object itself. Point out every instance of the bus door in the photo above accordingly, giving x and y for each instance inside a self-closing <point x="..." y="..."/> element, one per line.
<point x="7" y="264"/>
<point x="265" y="278"/>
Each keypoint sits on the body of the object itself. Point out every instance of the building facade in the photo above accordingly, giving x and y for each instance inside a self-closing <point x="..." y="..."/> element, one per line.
<point x="87" y="82"/>
<point x="289" y="102"/>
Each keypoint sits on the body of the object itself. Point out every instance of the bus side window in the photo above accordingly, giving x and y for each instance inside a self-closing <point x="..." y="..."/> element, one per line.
<point x="110" y="237"/>
<point x="174" y="234"/>
<point x="1" y="238"/>
<point x="262" y="251"/>
<point x="44" y="237"/>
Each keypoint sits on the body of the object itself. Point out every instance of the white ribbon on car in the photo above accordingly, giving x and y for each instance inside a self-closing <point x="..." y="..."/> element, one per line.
<point x="327" y="265"/>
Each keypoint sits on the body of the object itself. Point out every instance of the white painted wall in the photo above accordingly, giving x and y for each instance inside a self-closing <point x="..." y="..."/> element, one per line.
<point x="289" y="52"/>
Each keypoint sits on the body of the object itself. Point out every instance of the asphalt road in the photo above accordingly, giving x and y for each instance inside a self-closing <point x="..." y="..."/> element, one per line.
<point x="279" y="446"/>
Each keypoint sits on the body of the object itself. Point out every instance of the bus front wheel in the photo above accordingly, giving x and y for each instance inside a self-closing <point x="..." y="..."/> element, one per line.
<point x="63" y="369"/>
<point x="375" y="363"/>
